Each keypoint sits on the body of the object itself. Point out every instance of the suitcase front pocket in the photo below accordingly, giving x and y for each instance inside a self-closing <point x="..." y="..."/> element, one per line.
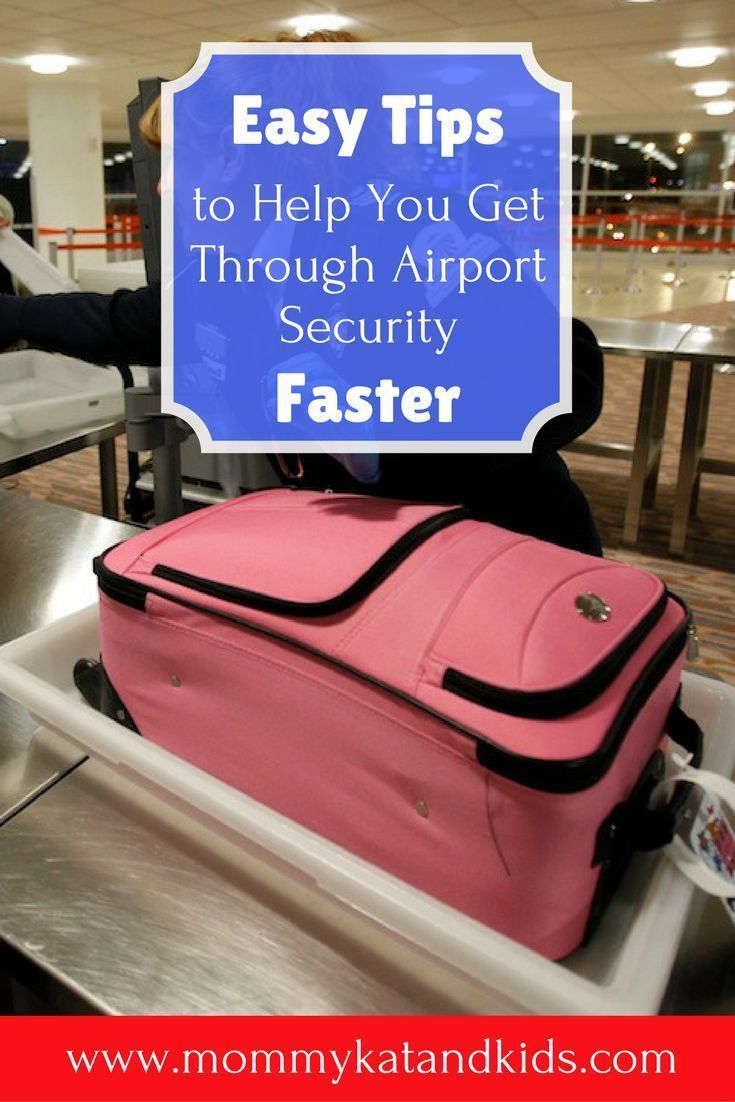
<point x="356" y="591"/>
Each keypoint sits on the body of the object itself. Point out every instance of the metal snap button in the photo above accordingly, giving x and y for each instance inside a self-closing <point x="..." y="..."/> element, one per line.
<point x="592" y="607"/>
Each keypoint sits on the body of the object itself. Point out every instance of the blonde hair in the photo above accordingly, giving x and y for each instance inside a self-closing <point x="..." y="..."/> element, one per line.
<point x="150" y="122"/>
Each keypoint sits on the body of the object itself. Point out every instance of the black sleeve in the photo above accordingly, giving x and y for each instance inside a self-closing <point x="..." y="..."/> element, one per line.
<point x="587" y="391"/>
<point x="123" y="328"/>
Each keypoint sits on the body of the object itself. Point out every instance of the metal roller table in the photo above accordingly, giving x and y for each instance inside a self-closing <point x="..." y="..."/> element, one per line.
<point x="113" y="902"/>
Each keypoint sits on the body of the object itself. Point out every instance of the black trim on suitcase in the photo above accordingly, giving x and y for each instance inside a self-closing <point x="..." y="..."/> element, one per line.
<point x="563" y="776"/>
<point x="633" y="825"/>
<point x="575" y="774"/>
<point x="562" y="701"/>
<point x="374" y="576"/>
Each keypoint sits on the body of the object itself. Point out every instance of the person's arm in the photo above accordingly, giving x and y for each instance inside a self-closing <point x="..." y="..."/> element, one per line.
<point x="587" y="390"/>
<point x="123" y="328"/>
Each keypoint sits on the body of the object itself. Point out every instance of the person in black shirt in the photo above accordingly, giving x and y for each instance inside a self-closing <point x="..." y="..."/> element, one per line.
<point x="528" y="493"/>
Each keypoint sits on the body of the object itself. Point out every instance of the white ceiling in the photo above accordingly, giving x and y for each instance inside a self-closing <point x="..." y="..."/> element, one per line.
<point x="614" y="52"/>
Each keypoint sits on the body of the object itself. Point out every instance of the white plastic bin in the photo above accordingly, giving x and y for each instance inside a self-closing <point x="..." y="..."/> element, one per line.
<point x="113" y="276"/>
<point x="42" y="392"/>
<point x="29" y="266"/>
<point x="624" y="970"/>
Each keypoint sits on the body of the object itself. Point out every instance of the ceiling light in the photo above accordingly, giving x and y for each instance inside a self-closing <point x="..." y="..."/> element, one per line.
<point x="636" y="145"/>
<point x="707" y="88"/>
<point x="108" y="162"/>
<point x="696" y="57"/>
<point x="119" y="157"/>
<point x="649" y="147"/>
<point x="720" y="107"/>
<point x="684" y="138"/>
<point x="3" y="141"/>
<point x="729" y="185"/>
<point x="628" y="196"/>
<point x="49" y="64"/>
<point x="622" y="139"/>
<point x="326" y="21"/>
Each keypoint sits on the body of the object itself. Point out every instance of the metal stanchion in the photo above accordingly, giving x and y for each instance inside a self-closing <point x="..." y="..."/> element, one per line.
<point x="53" y="253"/>
<point x="639" y="248"/>
<point x="70" y="252"/>
<point x="631" y="287"/>
<point x="678" y="280"/>
<point x="729" y="272"/>
<point x="150" y="430"/>
<point x="596" y="288"/>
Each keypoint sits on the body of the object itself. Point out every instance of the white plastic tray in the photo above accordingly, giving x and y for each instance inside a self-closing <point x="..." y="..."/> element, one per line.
<point x="43" y="392"/>
<point x="623" y="971"/>
<point x="27" y="265"/>
<point x="116" y="274"/>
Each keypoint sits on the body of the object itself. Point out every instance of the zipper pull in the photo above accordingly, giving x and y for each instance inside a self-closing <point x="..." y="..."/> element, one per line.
<point x="692" y="641"/>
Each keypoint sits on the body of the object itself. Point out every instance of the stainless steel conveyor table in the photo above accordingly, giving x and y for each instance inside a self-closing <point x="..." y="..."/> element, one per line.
<point x="703" y="346"/>
<point x="21" y="455"/>
<point x="112" y="901"/>
<point x="657" y="342"/>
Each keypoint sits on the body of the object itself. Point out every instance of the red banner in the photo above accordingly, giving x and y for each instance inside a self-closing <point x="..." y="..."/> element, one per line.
<point x="509" y="1059"/>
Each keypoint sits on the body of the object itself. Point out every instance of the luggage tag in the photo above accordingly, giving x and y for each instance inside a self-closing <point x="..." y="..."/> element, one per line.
<point x="703" y="848"/>
<point x="708" y="832"/>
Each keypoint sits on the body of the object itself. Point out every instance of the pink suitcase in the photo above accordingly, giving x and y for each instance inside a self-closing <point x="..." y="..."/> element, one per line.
<point x="479" y="713"/>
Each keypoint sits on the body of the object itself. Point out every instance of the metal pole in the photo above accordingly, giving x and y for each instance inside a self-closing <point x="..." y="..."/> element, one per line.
<point x="70" y="252"/>
<point x="722" y="197"/>
<point x="167" y="494"/>
<point x="53" y="253"/>
<point x="584" y="191"/>
<point x="108" y="479"/>
<point x="596" y="288"/>
<point x="631" y="287"/>
<point x="639" y="248"/>
<point x="724" y="176"/>
<point x="678" y="280"/>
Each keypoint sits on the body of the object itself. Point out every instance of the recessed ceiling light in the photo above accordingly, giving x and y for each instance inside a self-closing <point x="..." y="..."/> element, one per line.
<point x="326" y="21"/>
<point x="622" y="139"/>
<point x="49" y="64"/>
<point x="720" y="107"/>
<point x="636" y="145"/>
<point x="695" y="57"/>
<point x="707" y="88"/>
<point x="3" y="141"/>
<point x="684" y="138"/>
<point x="649" y="147"/>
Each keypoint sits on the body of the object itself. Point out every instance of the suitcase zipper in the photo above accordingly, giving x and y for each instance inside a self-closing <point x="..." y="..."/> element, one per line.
<point x="562" y="701"/>
<point x="563" y="776"/>
<point x="365" y="584"/>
